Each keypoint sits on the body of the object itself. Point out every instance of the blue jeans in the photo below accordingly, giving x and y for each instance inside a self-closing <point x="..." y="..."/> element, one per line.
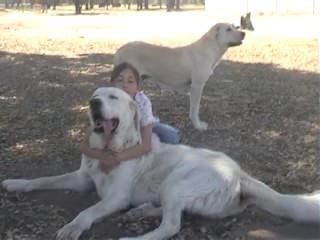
<point x="166" y="133"/>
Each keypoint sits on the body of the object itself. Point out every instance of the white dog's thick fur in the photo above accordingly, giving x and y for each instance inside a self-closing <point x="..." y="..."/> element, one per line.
<point x="168" y="180"/>
<point x="185" y="69"/>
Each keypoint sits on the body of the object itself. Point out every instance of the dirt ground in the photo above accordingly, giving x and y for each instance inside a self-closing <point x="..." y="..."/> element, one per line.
<point x="262" y="106"/>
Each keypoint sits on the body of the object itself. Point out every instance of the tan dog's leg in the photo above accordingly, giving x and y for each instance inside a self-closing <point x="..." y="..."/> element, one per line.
<point x="195" y="98"/>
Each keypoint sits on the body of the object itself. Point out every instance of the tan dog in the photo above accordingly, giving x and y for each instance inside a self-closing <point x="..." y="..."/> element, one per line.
<point x="186" y="68"/>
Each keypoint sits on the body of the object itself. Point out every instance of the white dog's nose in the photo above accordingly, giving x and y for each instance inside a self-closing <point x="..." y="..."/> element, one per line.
<point x="95" y="103"/>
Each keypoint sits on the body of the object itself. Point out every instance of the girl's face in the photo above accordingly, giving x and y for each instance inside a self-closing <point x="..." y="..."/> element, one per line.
<point x="127" y="82"/>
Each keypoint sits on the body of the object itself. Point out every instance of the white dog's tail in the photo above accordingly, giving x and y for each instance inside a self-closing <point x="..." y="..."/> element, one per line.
<point x="297" y="207"/>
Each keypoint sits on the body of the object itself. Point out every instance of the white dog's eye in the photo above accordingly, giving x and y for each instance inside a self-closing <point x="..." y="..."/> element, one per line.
<point x="228" y="29"/>
<point x="113" y="97"/>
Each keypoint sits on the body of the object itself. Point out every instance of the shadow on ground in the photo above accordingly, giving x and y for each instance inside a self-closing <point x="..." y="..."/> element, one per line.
<point x="263" y="116"/>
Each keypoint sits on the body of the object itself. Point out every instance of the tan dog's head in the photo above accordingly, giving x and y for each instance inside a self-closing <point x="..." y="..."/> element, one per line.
<point x="111" y="111"/>
<point x="246" y="23"/>
<point x="226" y="35"/>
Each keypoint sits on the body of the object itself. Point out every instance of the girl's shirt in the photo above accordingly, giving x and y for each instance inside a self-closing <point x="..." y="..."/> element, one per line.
<point x="145" y="108"/>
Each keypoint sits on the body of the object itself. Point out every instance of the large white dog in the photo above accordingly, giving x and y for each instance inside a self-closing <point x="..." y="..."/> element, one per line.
<point x="185" y="69"/>
<point x="167" y="181"/>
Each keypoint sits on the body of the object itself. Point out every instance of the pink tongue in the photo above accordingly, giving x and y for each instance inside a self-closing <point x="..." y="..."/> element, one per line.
<point x="108" y="125"/>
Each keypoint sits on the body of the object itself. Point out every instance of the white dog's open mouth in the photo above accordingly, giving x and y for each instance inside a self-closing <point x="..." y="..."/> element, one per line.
<point x="105" y="125"/>
<point x="100" y="123"/>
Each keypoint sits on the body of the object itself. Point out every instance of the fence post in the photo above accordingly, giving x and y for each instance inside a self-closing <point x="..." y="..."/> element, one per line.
<point x="313" y="6"/>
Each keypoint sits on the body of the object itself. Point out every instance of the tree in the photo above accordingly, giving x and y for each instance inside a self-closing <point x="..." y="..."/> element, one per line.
<point x="178" y="4"/>
<point x="78" y="5"/>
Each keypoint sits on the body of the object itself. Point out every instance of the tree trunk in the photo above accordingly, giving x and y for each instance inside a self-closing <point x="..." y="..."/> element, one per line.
<point x="77" y="4"/>
<point x="146" y="4"/>
<point x="178" y="4"/>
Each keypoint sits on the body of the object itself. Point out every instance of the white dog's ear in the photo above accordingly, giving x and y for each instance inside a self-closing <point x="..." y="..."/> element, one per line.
<point x="136" y="116"/>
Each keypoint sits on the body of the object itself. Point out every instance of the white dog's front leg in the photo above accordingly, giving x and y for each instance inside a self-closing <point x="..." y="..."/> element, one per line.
<point x="195" y="98"/>
<point x="77" y="181"/>
<point x="86" y="218"/>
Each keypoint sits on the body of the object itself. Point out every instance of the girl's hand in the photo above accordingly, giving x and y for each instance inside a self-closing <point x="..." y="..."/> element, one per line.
<point x="108" y="156"/>
<point x="108" y="160"/>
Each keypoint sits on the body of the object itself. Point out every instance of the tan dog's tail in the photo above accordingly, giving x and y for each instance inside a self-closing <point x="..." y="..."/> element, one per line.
<point x="304" y="208"/>
<point x="116" y="58"/>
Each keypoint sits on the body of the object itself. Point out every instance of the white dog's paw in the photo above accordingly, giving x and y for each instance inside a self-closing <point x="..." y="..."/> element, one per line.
<point x="69" y="232"/>
<point x="140" y="211"/>
<point x="134" y="213"/>
<point x="18" y="185"/>
<point x="202" y="126"/>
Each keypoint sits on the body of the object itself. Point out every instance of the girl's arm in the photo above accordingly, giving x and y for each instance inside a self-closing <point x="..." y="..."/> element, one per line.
<point x="140" y="149"/>
<point x="112" y="158"/>
<point x="147" y="120"/>
<point x="88" y="151"/>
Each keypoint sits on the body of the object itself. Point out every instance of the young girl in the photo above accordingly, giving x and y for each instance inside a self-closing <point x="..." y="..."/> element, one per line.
<point x="126" y="77"/>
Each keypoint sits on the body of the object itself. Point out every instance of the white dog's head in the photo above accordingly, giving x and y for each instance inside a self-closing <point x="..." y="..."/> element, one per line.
<point x="111" y="111"/>
<point x="226" y="35"/>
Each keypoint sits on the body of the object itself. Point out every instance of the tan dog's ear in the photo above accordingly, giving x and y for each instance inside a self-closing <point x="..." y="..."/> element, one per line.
<point x="213" y="32"/>
<point x="136" y="116"/>
<point x="242" y="23"/>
